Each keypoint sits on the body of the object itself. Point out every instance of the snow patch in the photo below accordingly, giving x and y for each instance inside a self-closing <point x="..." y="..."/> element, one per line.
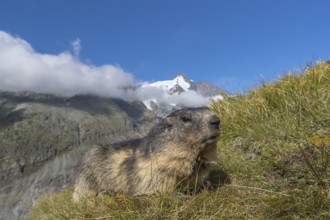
<point x="182" y="82"/>
<point x="170" y="84"/>
<point x="147" y="103"/>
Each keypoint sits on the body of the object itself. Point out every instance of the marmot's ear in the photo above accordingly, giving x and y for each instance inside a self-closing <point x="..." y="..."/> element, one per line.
<point x="169" y="122"/>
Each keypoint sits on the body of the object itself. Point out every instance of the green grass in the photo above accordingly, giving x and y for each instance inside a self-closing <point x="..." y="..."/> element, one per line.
<point x="274" y="150"/>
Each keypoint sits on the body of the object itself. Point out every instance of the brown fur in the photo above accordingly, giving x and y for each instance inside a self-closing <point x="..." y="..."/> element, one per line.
<point x="178" y="152"/>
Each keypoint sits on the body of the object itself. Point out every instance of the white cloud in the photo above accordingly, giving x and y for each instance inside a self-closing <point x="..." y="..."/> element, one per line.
<point x="76" y="47"/>
<point x="23" y="69"/>
<point x="189" y="99"/>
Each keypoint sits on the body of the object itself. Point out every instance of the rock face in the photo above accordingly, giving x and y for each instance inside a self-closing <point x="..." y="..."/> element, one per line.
<point x="208" y="89"/>
<point x="42" y="139"/>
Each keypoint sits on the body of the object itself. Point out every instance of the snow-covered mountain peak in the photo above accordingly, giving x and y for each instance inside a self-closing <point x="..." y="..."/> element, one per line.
<point x="164" y="96"/>
<point x="183" y="82"/>
<point x="178" y="84"/>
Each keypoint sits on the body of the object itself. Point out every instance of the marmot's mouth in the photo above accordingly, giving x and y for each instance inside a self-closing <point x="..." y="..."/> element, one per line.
<point x="215" y="136"/>
<point x="211" y="139"/>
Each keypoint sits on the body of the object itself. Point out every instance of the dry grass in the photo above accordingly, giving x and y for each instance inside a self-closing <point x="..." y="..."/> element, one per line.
<point x="275" y="154"/>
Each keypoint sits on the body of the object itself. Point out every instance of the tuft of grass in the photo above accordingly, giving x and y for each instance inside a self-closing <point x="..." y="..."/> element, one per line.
<point x="275" y="159"/>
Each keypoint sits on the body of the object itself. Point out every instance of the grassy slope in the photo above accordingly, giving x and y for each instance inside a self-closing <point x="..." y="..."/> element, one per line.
<point x="275" y="149"/>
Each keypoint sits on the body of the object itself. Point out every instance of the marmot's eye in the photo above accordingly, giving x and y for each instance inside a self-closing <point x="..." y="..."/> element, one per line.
<point x="186" y="119"/>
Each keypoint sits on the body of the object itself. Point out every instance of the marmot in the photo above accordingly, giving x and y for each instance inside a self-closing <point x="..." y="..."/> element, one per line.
<point x="177" y="152"/>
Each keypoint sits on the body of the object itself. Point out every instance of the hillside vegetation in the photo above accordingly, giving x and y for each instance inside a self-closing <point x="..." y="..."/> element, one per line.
<point x="275" y="158"/>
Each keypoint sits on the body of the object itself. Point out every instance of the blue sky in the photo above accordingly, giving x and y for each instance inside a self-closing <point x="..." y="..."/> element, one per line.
<point x="233" y="44"/>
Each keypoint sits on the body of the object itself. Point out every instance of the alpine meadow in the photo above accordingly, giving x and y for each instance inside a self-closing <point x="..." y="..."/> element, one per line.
<point x="274" y="153"/>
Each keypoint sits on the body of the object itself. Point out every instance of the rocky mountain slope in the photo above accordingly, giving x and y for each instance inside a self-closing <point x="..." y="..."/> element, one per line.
<point x="42" y="138"/>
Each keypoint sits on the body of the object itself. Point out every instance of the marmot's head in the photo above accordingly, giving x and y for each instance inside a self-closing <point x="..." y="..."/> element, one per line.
<point x="193" y="126"/>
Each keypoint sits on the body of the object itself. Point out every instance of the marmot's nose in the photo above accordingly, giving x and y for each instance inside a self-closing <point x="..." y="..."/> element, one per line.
<point x="215" y="122"/>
